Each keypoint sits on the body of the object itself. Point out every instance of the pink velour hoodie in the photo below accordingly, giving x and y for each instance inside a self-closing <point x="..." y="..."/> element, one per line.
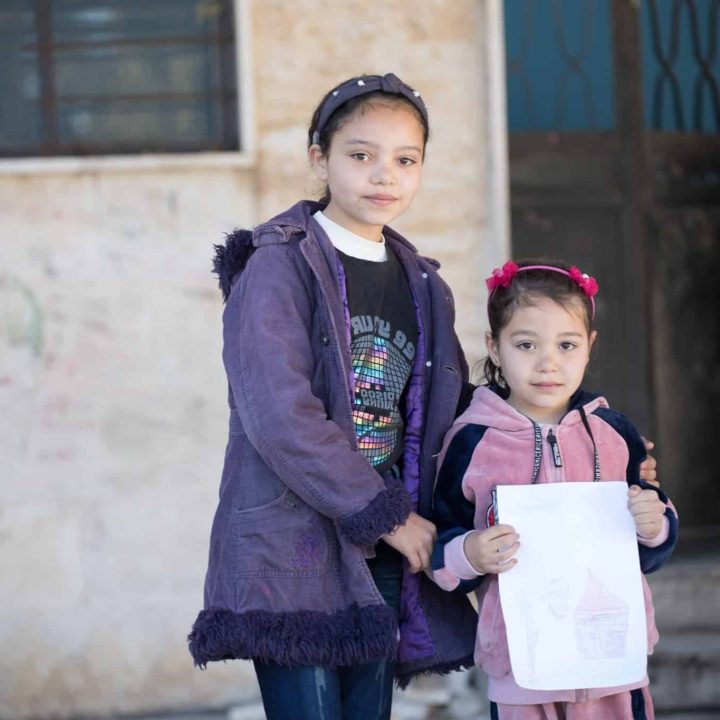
<point x="503" y="449"/>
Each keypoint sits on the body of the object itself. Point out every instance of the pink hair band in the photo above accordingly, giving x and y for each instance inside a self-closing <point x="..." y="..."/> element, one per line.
<point x="503" y="277"/>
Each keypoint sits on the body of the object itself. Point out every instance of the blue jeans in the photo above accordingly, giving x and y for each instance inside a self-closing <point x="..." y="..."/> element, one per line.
<point x="357" y="692"/>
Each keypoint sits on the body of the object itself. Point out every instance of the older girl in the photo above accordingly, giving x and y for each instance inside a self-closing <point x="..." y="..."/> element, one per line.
<point x="344" y="374"/>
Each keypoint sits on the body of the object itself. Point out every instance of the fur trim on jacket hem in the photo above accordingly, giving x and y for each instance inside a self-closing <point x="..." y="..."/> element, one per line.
<point x="381" y="515"/>
<point x="349" y="636"/>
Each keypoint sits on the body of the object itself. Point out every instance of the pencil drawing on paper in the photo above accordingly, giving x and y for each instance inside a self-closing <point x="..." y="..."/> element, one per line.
<point x="601" y="622"/>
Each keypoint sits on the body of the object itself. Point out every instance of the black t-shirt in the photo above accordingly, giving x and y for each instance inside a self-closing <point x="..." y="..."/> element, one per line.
<point x="383" y="329"/>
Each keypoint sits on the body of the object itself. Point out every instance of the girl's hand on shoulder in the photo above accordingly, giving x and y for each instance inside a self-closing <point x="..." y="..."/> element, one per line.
<point x="415" y="540"/>
<point x="648" y="467"/>
<point x="492" y="550"/>
<point x="648" y="511"/>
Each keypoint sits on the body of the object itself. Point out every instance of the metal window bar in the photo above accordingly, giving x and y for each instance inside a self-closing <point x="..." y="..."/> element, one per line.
<point x="222" y="44"/>
<point x="667" y="57"/>
<point x="226" y="67"/>
<point x="217" y="38"/>
<point x="43" y="25"/>
<point x="705" y="76"/>
<point x="574" y="63"/>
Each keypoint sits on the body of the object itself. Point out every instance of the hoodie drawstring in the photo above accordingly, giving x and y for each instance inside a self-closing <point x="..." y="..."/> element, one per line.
<point x="538" y="452"/>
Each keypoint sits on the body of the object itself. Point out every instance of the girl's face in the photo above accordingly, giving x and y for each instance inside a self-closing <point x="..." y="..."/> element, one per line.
<point x="372" y="168"/>
<point x="543" y="352"/>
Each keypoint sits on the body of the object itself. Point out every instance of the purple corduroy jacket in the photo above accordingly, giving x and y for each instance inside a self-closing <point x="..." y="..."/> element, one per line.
<point x="300" y="507"/>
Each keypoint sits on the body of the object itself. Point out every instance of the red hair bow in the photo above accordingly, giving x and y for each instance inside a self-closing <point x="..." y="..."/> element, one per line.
<point x="587" y="283"/>
<point x="502" y="276"/>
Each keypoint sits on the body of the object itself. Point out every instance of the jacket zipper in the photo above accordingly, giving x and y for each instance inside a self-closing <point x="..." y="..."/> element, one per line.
<point x="557" y="457"/>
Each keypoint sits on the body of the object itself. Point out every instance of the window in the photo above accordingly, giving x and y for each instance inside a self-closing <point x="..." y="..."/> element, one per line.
<point x="84" y="77"/>
<point x="559" y="66"/>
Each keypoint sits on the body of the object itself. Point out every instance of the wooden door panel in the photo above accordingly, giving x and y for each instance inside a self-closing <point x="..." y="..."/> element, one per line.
<point x="590" y="237"/>
<point x="684" y="245"/>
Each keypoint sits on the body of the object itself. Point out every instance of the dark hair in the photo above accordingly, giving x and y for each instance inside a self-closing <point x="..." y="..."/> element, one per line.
<point x="353" y="107"/>
<point x="525" y="288"/>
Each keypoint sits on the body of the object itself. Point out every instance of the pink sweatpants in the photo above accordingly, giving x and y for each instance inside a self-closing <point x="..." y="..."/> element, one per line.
<point x="632" y="705"/>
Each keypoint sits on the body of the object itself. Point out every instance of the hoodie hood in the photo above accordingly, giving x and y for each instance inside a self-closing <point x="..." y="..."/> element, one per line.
<point x="489" y="409"/>
<point x="233" y="255"/>
<point x="231" y="258"/>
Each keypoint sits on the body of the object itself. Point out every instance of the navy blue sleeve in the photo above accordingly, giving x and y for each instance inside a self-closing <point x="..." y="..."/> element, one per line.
<point x="466" y="393"/>
<point x="453" y="513"/>
<point x="651" y="558"/>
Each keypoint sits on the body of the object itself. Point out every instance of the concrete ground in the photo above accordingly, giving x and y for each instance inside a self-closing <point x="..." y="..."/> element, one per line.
<point x="403" y="710"/>
<point x="429" y="699"/>
<point x="684" y="670"/>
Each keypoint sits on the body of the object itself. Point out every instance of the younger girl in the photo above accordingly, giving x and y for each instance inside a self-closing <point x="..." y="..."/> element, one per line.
<point x="534" y="424"/>
<point x="344" y="375"/>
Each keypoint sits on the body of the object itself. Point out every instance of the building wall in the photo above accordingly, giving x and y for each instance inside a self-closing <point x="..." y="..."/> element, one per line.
<point x="112" y="393"/>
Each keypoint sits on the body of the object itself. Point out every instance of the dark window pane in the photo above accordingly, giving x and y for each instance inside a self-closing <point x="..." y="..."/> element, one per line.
<point x="144" y="70"/>
<point x="134" y="20"/>
<point x="20" y="117"/>
<point x="82" y="76"/>
<point x="139" y="123"/>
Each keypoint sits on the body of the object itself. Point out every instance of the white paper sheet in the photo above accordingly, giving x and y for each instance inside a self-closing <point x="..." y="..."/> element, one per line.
<point x="573" y="604"/>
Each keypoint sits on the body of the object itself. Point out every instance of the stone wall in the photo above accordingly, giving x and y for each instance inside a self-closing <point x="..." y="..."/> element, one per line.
<point x="112" y="394"/>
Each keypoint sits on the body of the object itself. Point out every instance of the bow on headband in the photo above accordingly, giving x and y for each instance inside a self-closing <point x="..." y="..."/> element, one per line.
<point x="502" y="277"/>
<point x="389" y="83"/>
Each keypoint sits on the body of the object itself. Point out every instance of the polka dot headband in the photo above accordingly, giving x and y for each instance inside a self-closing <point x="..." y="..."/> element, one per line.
<point x="389" y="83"/>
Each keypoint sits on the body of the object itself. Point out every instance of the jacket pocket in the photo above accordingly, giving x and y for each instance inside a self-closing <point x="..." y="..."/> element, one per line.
<point x="283" y="538"/>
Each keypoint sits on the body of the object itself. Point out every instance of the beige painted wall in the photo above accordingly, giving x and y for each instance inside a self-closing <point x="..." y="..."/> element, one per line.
<point x="111" y="436"/>
<point x="112" y="394"/>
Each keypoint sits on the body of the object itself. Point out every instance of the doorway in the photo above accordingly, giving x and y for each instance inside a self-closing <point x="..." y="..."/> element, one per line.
<point x="614" y="153"/>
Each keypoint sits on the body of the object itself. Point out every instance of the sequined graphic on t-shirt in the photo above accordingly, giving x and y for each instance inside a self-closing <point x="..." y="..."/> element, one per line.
<point x="381" y="371"/>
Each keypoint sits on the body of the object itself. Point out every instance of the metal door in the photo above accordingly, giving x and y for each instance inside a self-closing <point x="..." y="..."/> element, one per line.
<point x="614" y="114"/>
